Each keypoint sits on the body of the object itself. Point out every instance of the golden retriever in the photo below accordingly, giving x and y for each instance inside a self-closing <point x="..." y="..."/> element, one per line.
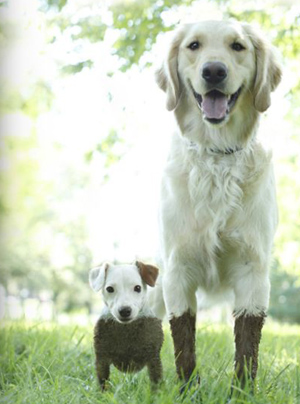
<point x="218" y="210"/>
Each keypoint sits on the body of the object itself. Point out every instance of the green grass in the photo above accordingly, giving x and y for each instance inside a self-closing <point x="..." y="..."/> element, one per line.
<point x="51" y="364"/>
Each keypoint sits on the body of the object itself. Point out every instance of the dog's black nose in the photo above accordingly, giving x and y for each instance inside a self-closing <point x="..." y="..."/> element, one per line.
<point x="125" y="312"/>
<point x="214" y="72"/>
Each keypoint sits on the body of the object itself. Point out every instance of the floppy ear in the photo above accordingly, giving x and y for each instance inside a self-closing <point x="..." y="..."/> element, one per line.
<point x="149" y="273"/>
<point x="167" y="76"/>
<point x="97" y="277"/>
<point x="268" y="70"/>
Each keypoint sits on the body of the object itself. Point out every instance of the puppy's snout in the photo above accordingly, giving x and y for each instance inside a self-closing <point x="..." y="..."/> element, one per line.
<point x="214" y="72"/>
<point x="125" y="312"/>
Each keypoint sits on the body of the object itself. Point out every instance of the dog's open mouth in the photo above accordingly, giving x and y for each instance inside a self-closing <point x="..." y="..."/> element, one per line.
<point x="216" y="105"/>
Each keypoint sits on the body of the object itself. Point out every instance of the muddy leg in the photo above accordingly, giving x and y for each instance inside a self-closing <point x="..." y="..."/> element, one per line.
<point x="102" y="369"/>
<point x="183" y="332"/>
<point x="155" y="370"/>
<point x="247" y="332"/>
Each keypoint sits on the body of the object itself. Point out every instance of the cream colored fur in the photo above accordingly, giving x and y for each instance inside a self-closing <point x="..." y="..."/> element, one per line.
<point x="218" y="210"/>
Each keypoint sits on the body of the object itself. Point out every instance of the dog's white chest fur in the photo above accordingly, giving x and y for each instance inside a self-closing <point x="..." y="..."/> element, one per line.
<point x="206" y="197"/>
<point x="214" y="192"/>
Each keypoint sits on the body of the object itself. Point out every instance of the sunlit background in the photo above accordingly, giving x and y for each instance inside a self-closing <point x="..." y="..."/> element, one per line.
<point x="84" y="137"/>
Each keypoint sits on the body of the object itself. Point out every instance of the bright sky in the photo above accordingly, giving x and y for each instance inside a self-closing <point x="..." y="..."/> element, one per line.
<point x="122" y="213"/>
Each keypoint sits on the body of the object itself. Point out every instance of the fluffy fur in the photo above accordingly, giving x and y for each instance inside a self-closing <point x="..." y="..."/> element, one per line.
<point x="218" y="211"/>
<point x="218" y="203"/>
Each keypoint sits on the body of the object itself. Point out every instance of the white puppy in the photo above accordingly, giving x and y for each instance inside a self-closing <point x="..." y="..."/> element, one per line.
<point x="127" y="334"/>
<point x="124" y="289"/>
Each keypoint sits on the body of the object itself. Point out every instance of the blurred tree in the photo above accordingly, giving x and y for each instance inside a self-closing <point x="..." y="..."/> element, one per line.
<point x="27" y="208"/>
<point x="284" y="302"/>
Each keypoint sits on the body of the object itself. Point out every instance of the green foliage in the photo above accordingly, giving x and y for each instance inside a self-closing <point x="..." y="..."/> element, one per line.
<point x="33" y="101"/>
<point x="58" y="5"/>
<point x="108" y="148"/>
<point x="91" y="28"/>
<point x="284" y="30"/>
<point x="38" y="100"/>
<point x="77" y="68"/>
<point x="293" y="114"/>
<point x="288" y="241"/>
<point x="31" y="225"/>
<point x="23" y="209"/>
<point x="50" y="364"/>
<point x="139" y="23"/>
<point x="285" y="297"/>
<point x="78" y="296"/>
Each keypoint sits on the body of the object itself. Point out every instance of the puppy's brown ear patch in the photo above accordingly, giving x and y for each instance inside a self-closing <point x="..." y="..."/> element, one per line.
<point x="149" y="273"/>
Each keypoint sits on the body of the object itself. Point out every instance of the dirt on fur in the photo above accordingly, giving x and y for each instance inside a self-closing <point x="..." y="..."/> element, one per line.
<point x="129" y="347"/>
<point x="247" y="331"/>
<point x="183" y="332"/>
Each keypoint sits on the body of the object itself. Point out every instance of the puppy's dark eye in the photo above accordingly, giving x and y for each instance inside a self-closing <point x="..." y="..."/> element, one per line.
<point x="236" y="46"/>
<point x="110" y="289"/>
<point x="137" y="289"/>
<point x="194" y="45"/>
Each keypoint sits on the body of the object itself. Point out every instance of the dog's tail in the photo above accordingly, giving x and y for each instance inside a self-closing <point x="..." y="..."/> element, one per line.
<point x="156" y="299"/>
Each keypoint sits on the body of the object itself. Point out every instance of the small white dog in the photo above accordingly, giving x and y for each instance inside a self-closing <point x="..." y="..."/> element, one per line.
<point x="127" y="333"/>
<point x="124" y="289"/>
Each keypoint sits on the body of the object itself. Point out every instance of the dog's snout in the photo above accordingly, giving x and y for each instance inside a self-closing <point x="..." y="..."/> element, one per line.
<point x="125" y="312"/>
<point x="214" y="72"/>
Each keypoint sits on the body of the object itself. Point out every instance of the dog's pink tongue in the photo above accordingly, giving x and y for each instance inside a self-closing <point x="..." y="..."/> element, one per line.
<point x="214" y="106"/>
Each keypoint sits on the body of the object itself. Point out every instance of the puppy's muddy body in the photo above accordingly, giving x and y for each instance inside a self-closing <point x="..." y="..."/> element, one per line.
<point x="129" y="347"/>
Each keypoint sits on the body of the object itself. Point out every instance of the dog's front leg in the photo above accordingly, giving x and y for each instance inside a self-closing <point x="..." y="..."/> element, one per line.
<point x="247" y="332"/>
<point x="251" y="301"/>
<point x="181" y="308"/>
<point x="155" y="370"/>
<point x="103" y="371"/>
<point x="183" y="330"/>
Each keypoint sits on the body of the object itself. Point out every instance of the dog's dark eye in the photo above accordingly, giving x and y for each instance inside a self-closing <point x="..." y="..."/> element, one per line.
<point x="237" y="47"/>
<point x="137" y="289"/>
<point x="110" y="289"/>
<point x="194" y="45"/>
